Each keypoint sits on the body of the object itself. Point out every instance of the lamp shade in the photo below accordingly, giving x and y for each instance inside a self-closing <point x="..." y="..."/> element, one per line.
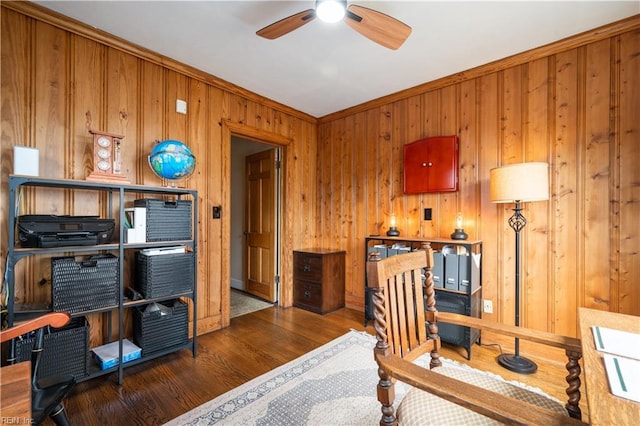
<point x="519" y="182"/>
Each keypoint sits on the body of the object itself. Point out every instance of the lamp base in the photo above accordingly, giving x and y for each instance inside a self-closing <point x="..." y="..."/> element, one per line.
<point x="393" y="232"/>
<point x="517" y="363"/>
<point x="459" y="234"/>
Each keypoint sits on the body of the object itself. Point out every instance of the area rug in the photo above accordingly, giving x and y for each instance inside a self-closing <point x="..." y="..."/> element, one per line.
<point x="242" y="304"/>
<point x="334" y="384"/>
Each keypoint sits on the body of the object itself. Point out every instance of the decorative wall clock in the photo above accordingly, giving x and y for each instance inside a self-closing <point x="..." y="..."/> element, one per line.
<point x="107" y="160"/>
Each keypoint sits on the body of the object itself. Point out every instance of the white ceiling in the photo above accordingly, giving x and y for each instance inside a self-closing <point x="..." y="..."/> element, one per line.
<point x="323" y="68"/>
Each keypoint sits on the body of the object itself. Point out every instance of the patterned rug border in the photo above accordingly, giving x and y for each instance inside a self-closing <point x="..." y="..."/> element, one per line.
<point x="261" y="386"/>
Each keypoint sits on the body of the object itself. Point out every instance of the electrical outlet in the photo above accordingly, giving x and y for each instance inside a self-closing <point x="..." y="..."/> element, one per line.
<point x="488" y="307"/>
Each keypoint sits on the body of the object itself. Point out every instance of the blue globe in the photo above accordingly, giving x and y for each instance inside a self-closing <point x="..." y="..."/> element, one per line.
<point x="172" y="160"/>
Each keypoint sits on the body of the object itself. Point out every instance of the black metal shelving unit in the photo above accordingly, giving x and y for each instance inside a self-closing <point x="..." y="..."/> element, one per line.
<point x="115" y="191"/>
<point x="466" y="300"/>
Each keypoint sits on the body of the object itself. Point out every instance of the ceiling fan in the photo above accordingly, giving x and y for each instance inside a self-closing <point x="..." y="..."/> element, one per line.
<point x="376" y="26"/>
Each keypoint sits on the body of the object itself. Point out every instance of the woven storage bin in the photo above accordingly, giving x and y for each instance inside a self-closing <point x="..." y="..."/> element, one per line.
<point x="84" y="284"/>
<point x="154" y="332"/>
<point x="66" y="350"/>
<point x="167" y="220"/>
<point x="164" y="274"/>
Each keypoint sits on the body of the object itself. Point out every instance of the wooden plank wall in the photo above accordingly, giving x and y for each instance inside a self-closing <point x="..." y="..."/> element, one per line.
<point x="575" y="105"/>
<point x="60" y="79"/>
<point x="576" y="108"/>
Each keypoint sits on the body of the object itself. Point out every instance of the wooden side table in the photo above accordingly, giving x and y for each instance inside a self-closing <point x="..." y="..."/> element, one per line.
<point x="318" y="279"/>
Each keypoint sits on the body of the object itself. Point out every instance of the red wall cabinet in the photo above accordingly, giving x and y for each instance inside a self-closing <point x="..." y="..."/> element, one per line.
<point x="431" y="165"/>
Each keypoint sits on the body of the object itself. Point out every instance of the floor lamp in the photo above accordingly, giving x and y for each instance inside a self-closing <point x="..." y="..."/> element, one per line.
<point x="519" y="183"/>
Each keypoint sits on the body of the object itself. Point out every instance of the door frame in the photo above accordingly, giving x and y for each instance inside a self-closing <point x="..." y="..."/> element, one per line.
<point x="285" y="289"/>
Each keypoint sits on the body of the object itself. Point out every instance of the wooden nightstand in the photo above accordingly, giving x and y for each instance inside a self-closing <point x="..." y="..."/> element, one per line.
<point x="318" y="279"/>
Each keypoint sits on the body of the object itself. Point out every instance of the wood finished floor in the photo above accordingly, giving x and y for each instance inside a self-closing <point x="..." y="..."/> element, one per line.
<point x="160" y="390"/>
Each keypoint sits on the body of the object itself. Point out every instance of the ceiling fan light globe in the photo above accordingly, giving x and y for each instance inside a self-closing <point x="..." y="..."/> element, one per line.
<point x="330" y="11"/>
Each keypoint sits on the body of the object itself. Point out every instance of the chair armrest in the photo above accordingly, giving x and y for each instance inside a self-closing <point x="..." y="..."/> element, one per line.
<point x="496" y="406"/>
<point x="546" y="338"/>
<point x="53" y="319"/>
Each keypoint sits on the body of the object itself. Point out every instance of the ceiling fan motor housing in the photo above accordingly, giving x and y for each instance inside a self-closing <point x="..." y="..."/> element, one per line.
<point x="331" y="11"/>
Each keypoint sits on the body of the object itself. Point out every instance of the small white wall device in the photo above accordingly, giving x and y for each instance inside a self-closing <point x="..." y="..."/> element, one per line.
<point x="26" y="161"/>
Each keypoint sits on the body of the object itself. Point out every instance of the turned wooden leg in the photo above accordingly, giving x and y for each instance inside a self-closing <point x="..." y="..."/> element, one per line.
<point x="573" y="380"/>
<point x="386" y="396"/>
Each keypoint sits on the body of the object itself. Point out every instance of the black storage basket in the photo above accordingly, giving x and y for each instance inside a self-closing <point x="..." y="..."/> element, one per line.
<point x="167" y="220"/>
<point x="164" y="274"/>
<point x="65" y="352"/>
<point x="154" y="331"/>
<point x="84" y="284"/>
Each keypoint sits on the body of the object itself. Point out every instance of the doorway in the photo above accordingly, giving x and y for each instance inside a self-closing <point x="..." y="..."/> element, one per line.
<point x="254" y="269"/>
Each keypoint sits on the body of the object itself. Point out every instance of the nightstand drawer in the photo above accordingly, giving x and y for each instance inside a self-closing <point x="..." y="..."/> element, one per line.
<point x="307" y="266"/>
<point x="307" y="295"/>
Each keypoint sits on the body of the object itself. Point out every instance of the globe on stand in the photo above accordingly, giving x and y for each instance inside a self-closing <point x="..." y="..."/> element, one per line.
<point x="172" y="160"/>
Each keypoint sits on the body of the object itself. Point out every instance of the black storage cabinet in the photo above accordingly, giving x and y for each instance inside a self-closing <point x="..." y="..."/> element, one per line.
<point x="459" y="304"/>
<point x="457" y="278"/>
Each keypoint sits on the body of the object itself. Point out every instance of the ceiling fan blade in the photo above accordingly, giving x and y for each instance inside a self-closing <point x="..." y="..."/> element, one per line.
<point x="378" y="27"/>
<point x="286" y="25"/>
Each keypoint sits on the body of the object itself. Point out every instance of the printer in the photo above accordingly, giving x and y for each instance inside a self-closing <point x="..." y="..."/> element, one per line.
<point x="46" y="231"/>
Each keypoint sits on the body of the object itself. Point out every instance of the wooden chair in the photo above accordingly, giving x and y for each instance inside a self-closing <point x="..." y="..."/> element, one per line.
<point x="406" y="323"/>
<point x="46" y="394"/>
